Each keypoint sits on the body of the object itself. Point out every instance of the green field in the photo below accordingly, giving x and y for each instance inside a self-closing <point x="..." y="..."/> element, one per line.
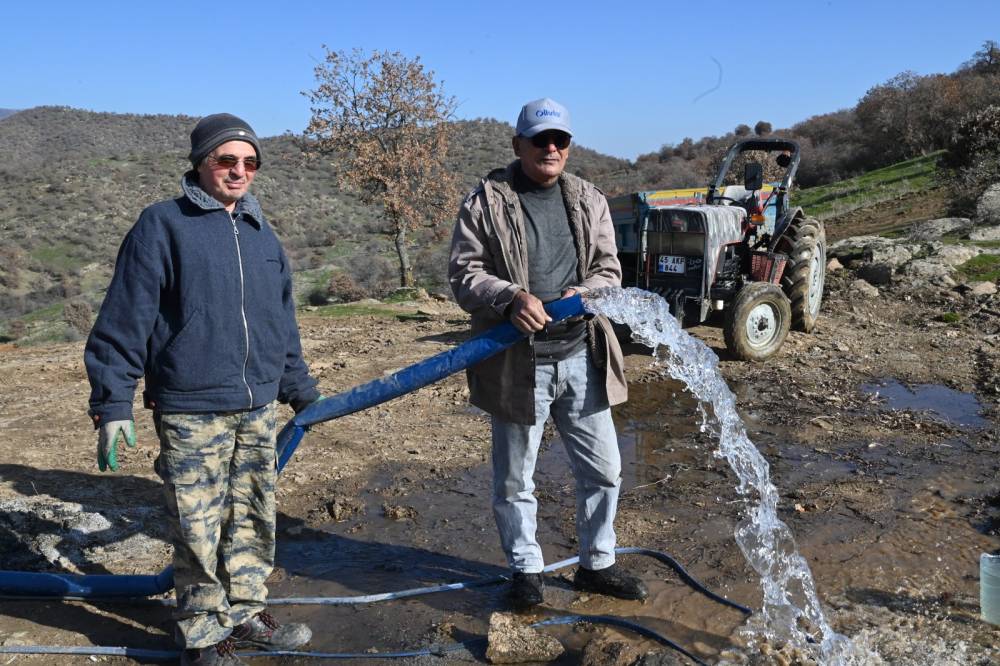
<point x="918" y="174"/>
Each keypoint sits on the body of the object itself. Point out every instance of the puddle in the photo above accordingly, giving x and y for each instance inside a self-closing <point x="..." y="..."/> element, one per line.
<point x="953" y="406"/>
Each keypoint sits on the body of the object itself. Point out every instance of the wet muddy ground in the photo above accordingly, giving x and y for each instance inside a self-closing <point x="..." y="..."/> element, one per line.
<point x="891" y="501"/>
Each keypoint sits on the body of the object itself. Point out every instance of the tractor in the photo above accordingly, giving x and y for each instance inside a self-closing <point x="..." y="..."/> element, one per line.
<point x="738" y="250"/>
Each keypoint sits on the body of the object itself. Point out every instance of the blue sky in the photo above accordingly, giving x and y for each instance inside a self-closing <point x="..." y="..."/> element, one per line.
<point x="635" y="75"/>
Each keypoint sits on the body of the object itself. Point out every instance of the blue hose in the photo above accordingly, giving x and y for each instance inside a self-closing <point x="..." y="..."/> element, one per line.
<point x="439" y="366"/>
<point x="60" y="586"/>
<point x="411" y="378"/>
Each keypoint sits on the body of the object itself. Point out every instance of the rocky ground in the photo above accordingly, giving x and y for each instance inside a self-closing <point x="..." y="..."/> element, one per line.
<point x="892" y="500"/>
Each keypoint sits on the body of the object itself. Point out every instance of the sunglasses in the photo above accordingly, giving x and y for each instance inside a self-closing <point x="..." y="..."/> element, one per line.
<point x="559" y="139"/>
<point x="230" y="162"/>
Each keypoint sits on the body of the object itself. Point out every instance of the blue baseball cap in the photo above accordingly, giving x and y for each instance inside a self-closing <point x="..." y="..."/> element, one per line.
<point x="540" y="115"/>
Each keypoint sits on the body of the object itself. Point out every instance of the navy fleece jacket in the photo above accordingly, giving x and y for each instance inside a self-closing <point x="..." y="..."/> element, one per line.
<point x="201" y="306"/>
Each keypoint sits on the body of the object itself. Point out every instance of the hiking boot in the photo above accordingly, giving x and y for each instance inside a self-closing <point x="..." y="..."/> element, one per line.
<point x="222" y="653"/>
<point x="263" y="632"/>
<point x="526" y="590"/>
<point x="613" y="581"/>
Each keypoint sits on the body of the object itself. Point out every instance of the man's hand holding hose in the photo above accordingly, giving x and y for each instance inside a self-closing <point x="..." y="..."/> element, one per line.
<point x="527" y="313"/>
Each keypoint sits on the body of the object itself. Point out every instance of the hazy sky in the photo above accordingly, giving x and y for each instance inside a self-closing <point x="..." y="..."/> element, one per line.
<point x="634" y="75"/>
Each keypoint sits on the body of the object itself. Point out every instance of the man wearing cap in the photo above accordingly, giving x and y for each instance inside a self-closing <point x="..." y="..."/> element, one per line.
<point x="529" y="234"/>
<point x="201" y="307"/>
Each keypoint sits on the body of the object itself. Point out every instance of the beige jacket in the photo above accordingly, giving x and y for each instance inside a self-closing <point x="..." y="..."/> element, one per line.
<point x="489" y="266"/>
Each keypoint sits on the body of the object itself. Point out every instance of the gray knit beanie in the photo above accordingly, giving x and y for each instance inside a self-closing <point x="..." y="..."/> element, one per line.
<point x="215" y="130"/>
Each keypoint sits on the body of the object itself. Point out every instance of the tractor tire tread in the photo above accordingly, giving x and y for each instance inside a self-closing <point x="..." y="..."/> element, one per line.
<point x="800" y="242"/>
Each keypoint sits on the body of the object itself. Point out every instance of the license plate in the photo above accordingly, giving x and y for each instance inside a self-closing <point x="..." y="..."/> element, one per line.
<point x="669" y="263"/>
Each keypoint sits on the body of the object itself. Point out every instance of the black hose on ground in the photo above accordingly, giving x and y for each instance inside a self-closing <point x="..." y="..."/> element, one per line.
<point x="140" y="653"/>
<point x="433" y="650"/>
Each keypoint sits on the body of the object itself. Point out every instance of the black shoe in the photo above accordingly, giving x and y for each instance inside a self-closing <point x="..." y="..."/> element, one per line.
<point x="613" y="581"/>
<point x="222" y="653"/>
<point x="526" y="590"/>
<point x="264" y="632"/>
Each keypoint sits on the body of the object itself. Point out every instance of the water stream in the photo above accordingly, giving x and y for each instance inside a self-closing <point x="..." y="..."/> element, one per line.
<point x="791" y="612"/>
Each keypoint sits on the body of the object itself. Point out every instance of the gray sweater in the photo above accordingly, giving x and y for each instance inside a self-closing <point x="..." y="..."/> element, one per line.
<point x="552" y="262"/>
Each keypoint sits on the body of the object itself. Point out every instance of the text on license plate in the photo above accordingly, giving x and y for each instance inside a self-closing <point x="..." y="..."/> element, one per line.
<point x="669" y="263"/>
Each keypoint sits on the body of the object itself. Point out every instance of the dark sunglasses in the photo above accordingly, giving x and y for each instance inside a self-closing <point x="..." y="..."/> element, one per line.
<point x="230" y="162"/>
<point x="559" y="139"/>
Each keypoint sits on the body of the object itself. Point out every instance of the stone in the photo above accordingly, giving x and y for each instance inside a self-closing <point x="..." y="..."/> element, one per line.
<point x="864" y="289"/>
<point x="892" y="254"/>
<point x="955" y="255"/>
<point x="874" y="249"/>
<point x="927" y="270"/>
<point x="991" y="233"/>
<point x="511" y="642"/>
<point x="606" y="652"/>
<point x="982" y="288"/>
<point x="876" y="274"/>
<point x="834" y="265"/>
<point x="935" y="229"/>
<point x="988" y="206"/>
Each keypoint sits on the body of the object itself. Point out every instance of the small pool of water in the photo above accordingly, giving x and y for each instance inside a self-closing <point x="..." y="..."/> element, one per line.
<point x="950" y="405"/>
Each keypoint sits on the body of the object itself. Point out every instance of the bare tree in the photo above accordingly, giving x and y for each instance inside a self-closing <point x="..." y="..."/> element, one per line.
<point x="383" y="120"/>
<point x="986" y="60"/>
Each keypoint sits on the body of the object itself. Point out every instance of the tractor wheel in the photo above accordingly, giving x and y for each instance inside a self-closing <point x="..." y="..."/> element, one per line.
<point x="757" y="321"/>
<point x="805" y="273"/>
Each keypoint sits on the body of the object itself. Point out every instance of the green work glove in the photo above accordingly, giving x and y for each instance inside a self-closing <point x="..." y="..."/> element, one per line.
<point x="108" y="436"/>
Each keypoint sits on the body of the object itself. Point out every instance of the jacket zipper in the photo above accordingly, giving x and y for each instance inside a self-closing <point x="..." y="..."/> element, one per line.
<point x="243" y="313"/>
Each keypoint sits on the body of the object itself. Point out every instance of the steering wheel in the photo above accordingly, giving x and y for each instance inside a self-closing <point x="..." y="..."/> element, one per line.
<point x="719" y="197"/>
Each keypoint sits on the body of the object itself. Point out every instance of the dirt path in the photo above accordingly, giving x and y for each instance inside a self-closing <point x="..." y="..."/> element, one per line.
<point x="891" y="507"/>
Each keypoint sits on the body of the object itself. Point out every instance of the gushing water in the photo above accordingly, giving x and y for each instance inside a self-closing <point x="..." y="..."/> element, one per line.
<point x="791" y="610"/>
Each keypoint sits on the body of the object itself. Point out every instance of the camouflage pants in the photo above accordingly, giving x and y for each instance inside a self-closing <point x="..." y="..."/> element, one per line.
<point x="219" y="472"/>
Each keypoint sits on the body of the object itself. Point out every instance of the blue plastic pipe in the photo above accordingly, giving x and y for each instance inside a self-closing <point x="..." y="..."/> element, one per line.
<point x="412" y="378"/>
<point x="428" y="371"/>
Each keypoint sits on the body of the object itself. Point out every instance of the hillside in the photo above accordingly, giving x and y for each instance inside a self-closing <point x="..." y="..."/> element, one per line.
<point x="74" y="181"/>
<point x="6" y="112"/>
<point x="61" y="220"/>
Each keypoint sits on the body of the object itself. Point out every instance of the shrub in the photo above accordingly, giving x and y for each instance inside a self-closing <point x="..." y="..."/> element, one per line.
<point x="16" y="329"/>
<point x="342" y="287"/>
<point x="375" y="274"/>
<point x="975" y="154"/>
<point x="78" y="316"/>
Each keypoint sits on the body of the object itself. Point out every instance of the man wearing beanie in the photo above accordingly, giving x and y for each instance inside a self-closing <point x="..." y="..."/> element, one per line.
<point x="201" y="307"/>
<point x="529" y="234"/>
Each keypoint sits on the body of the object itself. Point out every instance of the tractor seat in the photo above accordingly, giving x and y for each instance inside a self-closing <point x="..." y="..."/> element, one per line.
<point x="737" y="192"/>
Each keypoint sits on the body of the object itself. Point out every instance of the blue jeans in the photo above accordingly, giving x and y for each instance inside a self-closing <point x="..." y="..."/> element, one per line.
<point x="573" y="392"/>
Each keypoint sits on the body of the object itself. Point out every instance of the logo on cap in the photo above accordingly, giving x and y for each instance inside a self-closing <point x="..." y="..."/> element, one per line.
<point x="541" y="113"/>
